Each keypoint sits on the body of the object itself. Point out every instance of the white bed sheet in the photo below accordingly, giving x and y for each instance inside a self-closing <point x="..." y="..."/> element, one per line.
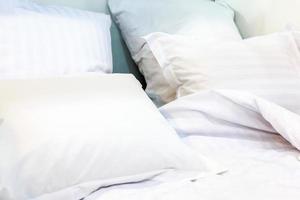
<point x="264" y="167"/>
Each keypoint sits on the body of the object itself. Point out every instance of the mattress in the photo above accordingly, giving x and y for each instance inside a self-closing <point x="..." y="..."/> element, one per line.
<point x="263" y="166"/>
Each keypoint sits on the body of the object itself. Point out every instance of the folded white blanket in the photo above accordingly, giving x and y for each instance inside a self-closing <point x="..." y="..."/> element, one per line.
<point x="222" y="113"/>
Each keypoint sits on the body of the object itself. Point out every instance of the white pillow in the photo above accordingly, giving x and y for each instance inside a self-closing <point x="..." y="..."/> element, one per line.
<point x="63" y="132"/>
<point x="41" y="41"/>
<point x="202" y="19"/>
<point x="267" y="66"/>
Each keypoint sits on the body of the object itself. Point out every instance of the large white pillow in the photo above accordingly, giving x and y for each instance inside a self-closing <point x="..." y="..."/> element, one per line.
<point x="63" y="132"/>
<point x="267" y="66"/>
<point x="41" y="41"/>
<point x="203" y="19"/>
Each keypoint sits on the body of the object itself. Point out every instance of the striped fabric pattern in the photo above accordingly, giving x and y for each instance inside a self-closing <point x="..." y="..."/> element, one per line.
<point x="38" y="41"/>
<point x="267" y="66"/>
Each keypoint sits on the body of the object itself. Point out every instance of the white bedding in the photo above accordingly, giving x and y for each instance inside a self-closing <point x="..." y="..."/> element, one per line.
<point x="267" y="66"/>
<point x="83" y="132"/>
<point x="261" y="164"/>
<point x="262" y="170"/>
<point x="47" y="41"/>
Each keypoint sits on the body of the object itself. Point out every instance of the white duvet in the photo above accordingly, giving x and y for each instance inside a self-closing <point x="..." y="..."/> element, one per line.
<point x="228" y="112"/>
<point x="257" y="140"/>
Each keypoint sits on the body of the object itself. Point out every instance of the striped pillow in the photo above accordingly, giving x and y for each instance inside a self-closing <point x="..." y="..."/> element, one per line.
<point x="38" y="41"/>
<point x="268" y="66"/>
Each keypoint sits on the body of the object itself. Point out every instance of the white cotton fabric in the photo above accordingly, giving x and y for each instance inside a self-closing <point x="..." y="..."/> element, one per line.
<point x="242" y="131"/>
<point x="38" y="41"/>
<point x="261" y="166"/>
<point x="268" y="66"/>
<point x="202" y="19"/>
<point x="221" y="113"/>
<point x="218" y="124"/>
<point x="84" y="132"/>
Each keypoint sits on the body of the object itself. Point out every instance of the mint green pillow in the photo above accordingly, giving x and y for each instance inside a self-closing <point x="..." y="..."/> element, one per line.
<point x="138" y="18"/>
<point x="202" y="19"/>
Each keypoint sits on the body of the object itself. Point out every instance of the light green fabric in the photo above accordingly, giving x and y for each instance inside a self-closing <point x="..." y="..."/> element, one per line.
<point x="121" y="57"/>
<point x="137" y="18"/>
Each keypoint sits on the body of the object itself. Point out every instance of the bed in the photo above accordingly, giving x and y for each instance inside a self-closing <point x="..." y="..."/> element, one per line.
<point x="258" y="162"/>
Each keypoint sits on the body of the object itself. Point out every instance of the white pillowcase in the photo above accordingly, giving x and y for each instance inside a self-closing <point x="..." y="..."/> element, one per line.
<point x="39" y="41"/>
<point x="63" y="132"/>
<point x="158" y="88"/>
<point x="267" y="66"/>
<point x="202" y="19"/>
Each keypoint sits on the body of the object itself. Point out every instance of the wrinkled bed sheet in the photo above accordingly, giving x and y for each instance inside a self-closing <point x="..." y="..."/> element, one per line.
<point x="258" y="169"/>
